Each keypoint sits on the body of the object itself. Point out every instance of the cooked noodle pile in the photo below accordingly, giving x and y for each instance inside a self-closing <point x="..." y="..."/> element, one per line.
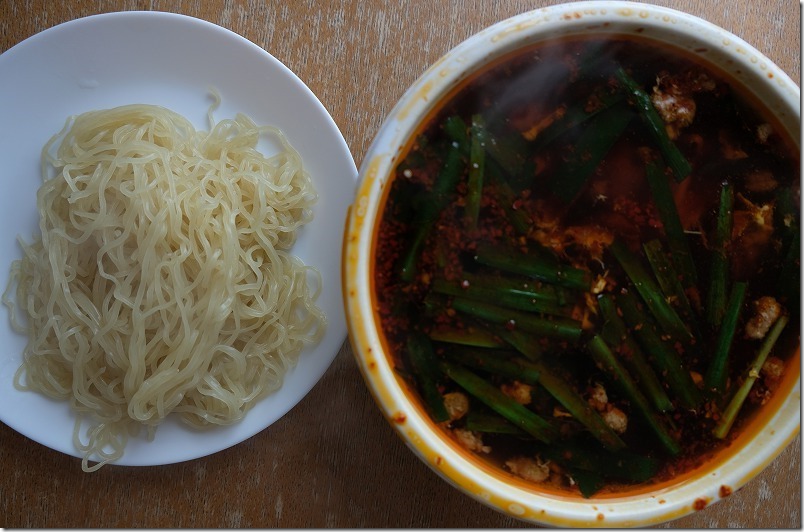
<point x="162" y="281"/>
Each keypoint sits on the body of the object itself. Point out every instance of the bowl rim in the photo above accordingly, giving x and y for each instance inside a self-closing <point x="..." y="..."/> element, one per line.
<point x="411" y="423"/>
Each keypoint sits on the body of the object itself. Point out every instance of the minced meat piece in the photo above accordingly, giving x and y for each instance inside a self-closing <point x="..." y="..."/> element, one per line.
<point x="673" y="98"/>
<point x="457" y="405"/>
<point x="598" y="398"/>
<point x="616" y="419"/>
<point x="530" y="469"/>
<point x="518" y="391"/>
<point x="772" y="372"/>
<point x="471" y="441"/>
<point x="767" y="311"/>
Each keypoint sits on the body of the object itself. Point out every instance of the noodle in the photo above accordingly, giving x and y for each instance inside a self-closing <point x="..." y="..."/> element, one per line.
<point x="162" y="282"/>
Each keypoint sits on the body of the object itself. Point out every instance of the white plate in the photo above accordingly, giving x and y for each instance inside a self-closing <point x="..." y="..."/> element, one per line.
<point x="171" y="60"/>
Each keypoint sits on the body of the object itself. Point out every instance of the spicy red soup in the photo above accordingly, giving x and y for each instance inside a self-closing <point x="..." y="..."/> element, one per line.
<point x="588" y="262"/>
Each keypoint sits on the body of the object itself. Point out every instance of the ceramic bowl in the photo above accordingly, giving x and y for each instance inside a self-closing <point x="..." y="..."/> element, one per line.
<point x="759" y="443"/>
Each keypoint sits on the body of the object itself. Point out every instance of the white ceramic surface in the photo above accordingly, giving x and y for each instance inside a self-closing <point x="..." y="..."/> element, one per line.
<point x="459" y="468"/>
<point x="170" y="60"/>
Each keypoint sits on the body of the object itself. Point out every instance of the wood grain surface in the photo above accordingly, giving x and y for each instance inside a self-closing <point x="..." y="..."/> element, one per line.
<point x="333" y="462"/>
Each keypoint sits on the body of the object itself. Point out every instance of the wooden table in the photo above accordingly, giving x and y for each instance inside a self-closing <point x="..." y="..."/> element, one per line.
<point x="333" y="461"/>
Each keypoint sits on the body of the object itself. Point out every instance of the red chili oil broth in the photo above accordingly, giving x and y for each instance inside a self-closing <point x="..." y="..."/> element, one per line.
<point x="520" y="93"/>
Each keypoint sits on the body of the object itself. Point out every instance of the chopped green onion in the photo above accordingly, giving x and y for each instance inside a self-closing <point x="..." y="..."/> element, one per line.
<point x="537" y="373"/>
<point x="641" y="100"/>
<point x="425" y="364"/>
<point x="665" y="315"/>
<point x="606" y="361"/>
<point x="736" y="402"/>
<point x="503" y="294"/>
<point x="663" y="356"/>
<point x="495" y="399"/>
<point x="479" y="421"/>
<point x="470" y="336"/>
<point x="538" y="263"/>
<point x="563" y="329"/>
<point x="477" y="163"/>
<point x="715" y="378"/>
<point x="719" y="262"/>
<point x="430" y="207"/>
<point x="615" y="333"/>
<point x="677" y="242"/>
<point x="670" y="283"/>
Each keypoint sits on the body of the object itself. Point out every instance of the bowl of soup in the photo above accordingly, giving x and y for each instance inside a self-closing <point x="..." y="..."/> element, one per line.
<point x="571" y="268"/>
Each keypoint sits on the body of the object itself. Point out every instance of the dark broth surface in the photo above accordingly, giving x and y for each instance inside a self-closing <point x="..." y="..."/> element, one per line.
<point x="539" y="199"/>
